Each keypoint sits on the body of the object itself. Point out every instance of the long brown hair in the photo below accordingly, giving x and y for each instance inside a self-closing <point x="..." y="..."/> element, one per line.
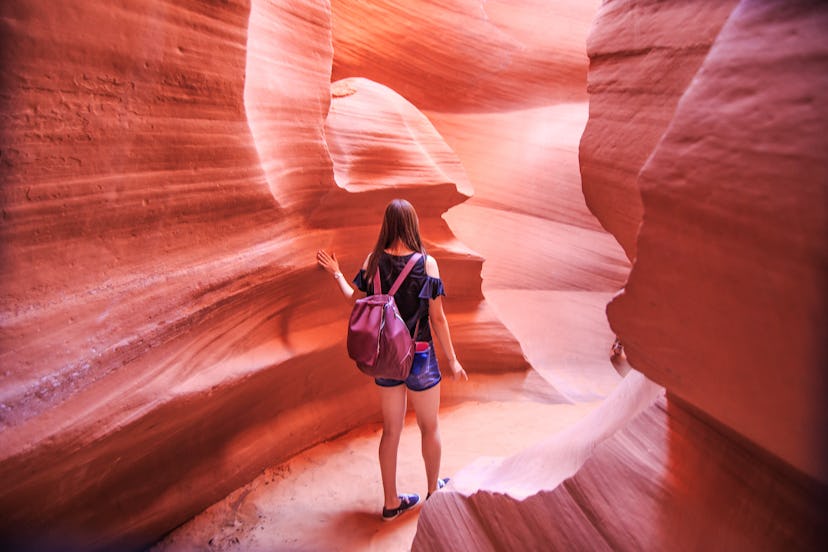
<point x="400" y="222"/>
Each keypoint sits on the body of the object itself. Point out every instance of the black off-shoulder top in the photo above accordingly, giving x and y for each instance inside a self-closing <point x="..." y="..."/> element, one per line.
<point x="412" y="297"/>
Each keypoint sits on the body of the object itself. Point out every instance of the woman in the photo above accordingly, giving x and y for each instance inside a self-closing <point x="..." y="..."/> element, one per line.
<point x="418" y="299"/>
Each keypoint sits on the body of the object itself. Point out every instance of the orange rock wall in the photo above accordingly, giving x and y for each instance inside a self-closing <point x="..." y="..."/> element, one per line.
<point x="512" y="106"/>
<point x="168" y="170"/>
<point x="642" y="57"/>
<point x="712" y="112"/>
<point x="666" y="480"/>
<point x="147" y="326"/>
<point x="725" y="305"/>
<point x="166" y="180"/>
<point x="464" y="55"/>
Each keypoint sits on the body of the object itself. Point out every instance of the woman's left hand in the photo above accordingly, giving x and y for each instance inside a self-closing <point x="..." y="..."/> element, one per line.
<point x="328" y="262"/>
<point x="457" y="371"/>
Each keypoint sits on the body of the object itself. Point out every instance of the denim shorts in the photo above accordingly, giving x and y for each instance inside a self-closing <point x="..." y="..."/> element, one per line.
<point x="425" y="373"/>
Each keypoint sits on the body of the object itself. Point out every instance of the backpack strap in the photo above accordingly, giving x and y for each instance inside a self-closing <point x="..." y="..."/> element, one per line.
<point x="398" y="282"/>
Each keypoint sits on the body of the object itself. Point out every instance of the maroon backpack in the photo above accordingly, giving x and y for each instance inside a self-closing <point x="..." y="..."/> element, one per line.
<point x="378" y="339"/>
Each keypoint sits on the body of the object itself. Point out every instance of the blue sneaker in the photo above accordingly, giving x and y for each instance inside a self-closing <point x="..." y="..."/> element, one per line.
<point x="440" y="484"/>
<point x="407" y="501"/>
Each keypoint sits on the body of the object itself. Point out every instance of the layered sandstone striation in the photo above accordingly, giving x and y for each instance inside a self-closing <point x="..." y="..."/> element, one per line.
<point x="166" y="334"/>
<point x="548" y="273"/>
<point x="150" y="274"/>
<point x="465" y="55"/>
<point x="724" y="307"/>
<point x="504" y="84"/>
<point x="383" y="147"/>
<point x="663" y="479"/>
<point x="642" y="57"/>
<point x="168" y="170"/>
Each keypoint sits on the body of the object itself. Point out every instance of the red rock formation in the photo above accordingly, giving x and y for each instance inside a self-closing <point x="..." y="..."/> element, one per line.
<point x="724" y="306"/>
<point x="383" y="147"/>
<point x="286" y="98"/>
<point x="165" y="331"/>
<point x="512" y="107"/>
<point x="726" y="302"/>
<point x="146" y="324"/>
<point x="642" y="57"/>
<point x="514" y="123"/>
<point x="168" y="169"/>
<point x="464" y="55"/>
<point x="667" y="480"/>
<point x="549" y="268"/>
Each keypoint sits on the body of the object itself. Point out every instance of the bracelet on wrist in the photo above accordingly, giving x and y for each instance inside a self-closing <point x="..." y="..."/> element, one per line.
<point x="337" y="275"/>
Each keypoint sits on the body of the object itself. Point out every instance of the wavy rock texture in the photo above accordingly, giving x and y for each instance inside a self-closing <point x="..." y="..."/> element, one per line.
<point x="168" y="170"/>
<point x="515" y="55"/>
<point x="724" y="306"/>
<point x="549" y="267"/>
<point x="383" y="147"/>
<point x="639" y="489"/>
<point x="165" y="332"/>
<point x="147" y="320"/>
<point x="732" y="262"/>
<point x="642" y="57"/>
<point x="512" y="107"/>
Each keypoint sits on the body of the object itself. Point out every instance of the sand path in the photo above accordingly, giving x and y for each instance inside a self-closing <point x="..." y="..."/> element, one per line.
<point x="329" y="497"/>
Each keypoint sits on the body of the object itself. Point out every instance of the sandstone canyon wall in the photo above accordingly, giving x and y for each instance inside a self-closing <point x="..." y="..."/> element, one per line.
<point x="168" y="170"/>
<point x="732" y="260"/>
<point x="714" y="113"/>
<point x="640" y="64"/>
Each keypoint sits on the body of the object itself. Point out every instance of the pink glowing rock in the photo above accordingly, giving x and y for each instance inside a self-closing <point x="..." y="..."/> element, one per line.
<point x="725" y="303"/>
<point x="464" y="55"/>
<point x="724" y="306"/>
<point x="664" y="479"/>
<point x="370" y="131"/>
<point x="166" y="333"/>
<point x="642" y="58"/>
<point x="512" y="107"/>
<point x="383" y="147"/>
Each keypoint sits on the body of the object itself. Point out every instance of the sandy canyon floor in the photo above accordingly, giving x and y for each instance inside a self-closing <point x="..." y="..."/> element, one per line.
<point x="329" y="496"/>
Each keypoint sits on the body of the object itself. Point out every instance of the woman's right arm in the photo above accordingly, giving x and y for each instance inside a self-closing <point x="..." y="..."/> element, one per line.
<point x="331" y="265"/>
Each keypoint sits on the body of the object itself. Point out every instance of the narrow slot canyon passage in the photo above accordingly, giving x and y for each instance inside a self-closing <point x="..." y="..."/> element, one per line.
<point x="548" y="273"/>
<point x="651" y="175"/>
<point x="333" y="489"/>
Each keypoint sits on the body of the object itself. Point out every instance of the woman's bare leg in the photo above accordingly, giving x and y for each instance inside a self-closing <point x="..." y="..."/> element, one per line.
<point x="393" y="416"/>
<point x="427" y="404"/>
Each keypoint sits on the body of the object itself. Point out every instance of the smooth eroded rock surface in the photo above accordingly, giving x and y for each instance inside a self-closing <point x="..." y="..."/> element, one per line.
<point x="714" y="115"/>
<point x="640" y="489"/>
<point x="726" y="302"/>
<point x="169" y="169"/>
<point x="642" y="57"/>
<point x="165" y="331"/>
<point x="465" y="55"/>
